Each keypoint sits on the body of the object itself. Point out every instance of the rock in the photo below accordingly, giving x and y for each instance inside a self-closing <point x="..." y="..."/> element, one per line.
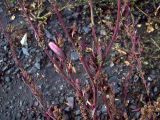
<point x="9" y="88"/>
<point x="5" y="47"/>
<point x="7" y="79"/>
<point x="153" y="76"/>
<point x="77" y="112"/>
<point x="11" y="107"/>
<point x="25" y="51"/>
<point x="107" y="17"/>
<point x="155" y="89"/>
<point x="25" y="103"/>
<point x="109" y="71"/>
<point x="36" y="103"/>
<point x="75" y="15"/>
<point x="5" y="68"/>
<point x="37" y="65"/>
<point x="74" y="56"/>
<point x="153" y="72"/>
<point x="136" y="78"/>
<point x="61" y="87"/>
<point x="24" y="40"/>
<point x="70" y="102"/>
<point x="111" y="64"/>
<point x="118" y="103"/>
<point x="103" y="109"/>
<point x="16" y="71"/>
<point x="86" y="29"/>
<point x="20" y="87"/>
<point x="150" y="79"/>
<point x="48" y="34"/>
<point x="103" y="32"/>
<point x="32" y="70"/>
<point x="67" y="109"/>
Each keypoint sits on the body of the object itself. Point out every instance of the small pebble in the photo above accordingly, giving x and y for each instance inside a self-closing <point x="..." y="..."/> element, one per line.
<point x="103" y="32"/>
<point x="25" y="51"/>
<point x="155" y="89"/>
<point x="86" y="29"/>
<point x="103" y="109"/>
<point x="74" y="56"/>
<point x="70" y="102"/>
<point x="37" y="65"/>
<point x="78" y="112"/>
<point x="150" y="79"/>
<point x="20" y="87"/>
<point x="48" y="34"/>
<point x="36" y="103"/>
<point x="7" y="79"/>
<point x="24" y="40"/>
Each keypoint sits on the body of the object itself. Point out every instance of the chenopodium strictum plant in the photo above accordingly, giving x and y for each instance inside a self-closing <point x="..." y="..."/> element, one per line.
<point x="97" y="82"/>
<point x="93" y="67"/>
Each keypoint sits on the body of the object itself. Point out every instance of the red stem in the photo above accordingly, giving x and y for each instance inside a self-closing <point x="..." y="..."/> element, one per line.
<point x="108" y="49"/>
<point x="59" y="16"/>
<point x="107" y="107"/>
<point x="60" y="69"/>
<point x="94" y="88"/>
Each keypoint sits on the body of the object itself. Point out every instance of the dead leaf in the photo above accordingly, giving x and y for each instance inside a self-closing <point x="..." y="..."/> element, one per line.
<point x="71" y="68"/>
<point x="89" y="50"/>
<point x="127" y="63"/>
<point x="150" y="27"/>
<point x="121" y="51"/>
<point x="74" y="29"/>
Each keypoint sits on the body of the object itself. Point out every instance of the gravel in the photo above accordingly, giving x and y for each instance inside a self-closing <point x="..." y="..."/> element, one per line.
<point x="103" y="32"/>
<point x="86" y="29"/>
<point x="74" y="56"/>
<point x="7" y="79"/>
<point x="25" y="51"/>
<point x="70" y="102"/>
